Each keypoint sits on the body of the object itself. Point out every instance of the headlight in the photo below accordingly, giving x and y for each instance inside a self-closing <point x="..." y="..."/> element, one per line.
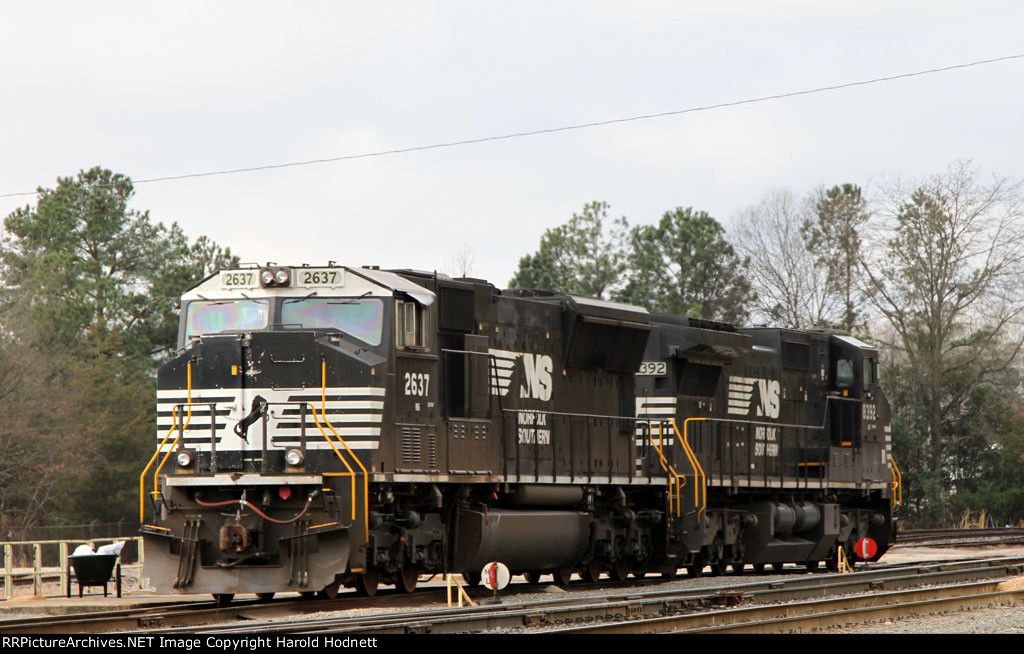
<point x="184" y="459"/>
<point x="293" y="458"/>
<point x="275" y="276"/>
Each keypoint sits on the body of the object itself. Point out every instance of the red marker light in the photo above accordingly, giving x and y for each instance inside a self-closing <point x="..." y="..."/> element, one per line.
<point x="865" y="548"/>
<point x="284" y="492"/>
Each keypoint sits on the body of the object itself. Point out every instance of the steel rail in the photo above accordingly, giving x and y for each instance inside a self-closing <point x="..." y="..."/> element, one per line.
<point x="628" y="605"/>
<point x="117" y="619"/>
<point x="928" y="535"/>
<point x="819" y="614"/>
<point x="635" y="601"/>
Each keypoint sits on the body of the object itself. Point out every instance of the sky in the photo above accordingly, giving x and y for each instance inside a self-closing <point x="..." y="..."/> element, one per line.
<point x="151" y="89"/>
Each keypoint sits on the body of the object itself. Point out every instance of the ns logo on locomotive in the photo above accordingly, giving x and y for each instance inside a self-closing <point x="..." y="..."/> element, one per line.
<point x="342" y="426"/>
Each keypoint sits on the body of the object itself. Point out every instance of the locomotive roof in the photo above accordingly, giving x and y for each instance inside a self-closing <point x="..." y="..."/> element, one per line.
<point x="584" y="305"/>
<point x="396" y="283"/>
<point x="608" y="309"/>
<point x="369" y="281"/>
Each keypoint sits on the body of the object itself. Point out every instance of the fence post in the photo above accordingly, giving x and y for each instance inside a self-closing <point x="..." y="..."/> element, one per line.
<point x="143" y="583"/>
<point x="63" y="563"/>
<point x="37" y="571"/>
<point x="8" y="570"/>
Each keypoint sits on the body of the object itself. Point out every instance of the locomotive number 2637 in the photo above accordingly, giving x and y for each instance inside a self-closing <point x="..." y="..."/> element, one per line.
<point x="417" y="383"/>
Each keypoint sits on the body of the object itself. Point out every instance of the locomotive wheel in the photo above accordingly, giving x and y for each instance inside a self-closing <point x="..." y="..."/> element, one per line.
<point x="737" y="567"/>
<point x="592" y="571"/>
<point x="265" y="597"/>
<point x="812" y="566"/>
<point x="471" y="578"/>
<point x="669" y="571"/>
<point x="777" y="566"/>
<point x="367" y="582"/>
<point x="308" y="594"/>
<point x="718" y="568"/>
<point x="532" y="576"/>
<point x="758" y="568"/>
<point x="223" y="599"/>
<point x="406" y="580"/>
<point x="619" y="570"/>
<point x="562" y="576"/>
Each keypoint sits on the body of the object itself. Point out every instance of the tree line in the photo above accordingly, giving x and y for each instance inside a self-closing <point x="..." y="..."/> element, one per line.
<point x="929" y="271"/>
<point x="88" y="310"/>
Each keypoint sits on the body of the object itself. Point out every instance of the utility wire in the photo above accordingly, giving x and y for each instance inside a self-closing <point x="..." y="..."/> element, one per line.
<point x="564" y="128"/>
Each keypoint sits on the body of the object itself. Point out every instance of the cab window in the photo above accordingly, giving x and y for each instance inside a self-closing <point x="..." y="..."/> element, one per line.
<point x="844" y="373"/>
<point x="411" y="326"/>
<point x="216" y="316"/>
<point x="361" y="318"/>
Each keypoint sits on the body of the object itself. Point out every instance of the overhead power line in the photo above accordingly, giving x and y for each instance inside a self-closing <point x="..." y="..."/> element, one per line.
<point x="564" y="128"/>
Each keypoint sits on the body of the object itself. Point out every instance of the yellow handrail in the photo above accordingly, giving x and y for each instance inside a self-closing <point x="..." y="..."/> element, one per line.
<point x="142" y="477"/>
<point x="366" y="475"/>
<point x="667" y="467"/>
<point x="680" y="479"/>
<point x="695" y="462"/>
<point x="897" y="484"/>
<point x="351" y="473"/>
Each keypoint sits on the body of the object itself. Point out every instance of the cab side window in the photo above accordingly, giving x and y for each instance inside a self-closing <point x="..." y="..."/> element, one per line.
<point x="844" y="373"/>
<point x="411" y="326"/>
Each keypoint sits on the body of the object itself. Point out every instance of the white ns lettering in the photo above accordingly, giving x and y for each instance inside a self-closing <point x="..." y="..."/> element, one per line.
<point x="538" y="377"/>
<point x="769" y="392"/>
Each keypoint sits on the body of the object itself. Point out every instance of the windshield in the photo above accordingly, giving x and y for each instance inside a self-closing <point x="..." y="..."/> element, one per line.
<point x="363" y="319"/>
<point x="211" y="317"/>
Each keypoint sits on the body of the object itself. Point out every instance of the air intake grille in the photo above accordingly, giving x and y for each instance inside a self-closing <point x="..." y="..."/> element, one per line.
<point x="412" y="444"/>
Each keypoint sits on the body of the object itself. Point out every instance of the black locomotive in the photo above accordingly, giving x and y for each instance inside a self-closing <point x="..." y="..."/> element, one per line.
<point x="334" y="426"/>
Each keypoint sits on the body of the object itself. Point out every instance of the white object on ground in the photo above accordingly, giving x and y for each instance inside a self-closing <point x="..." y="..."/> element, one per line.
<point x="113" y="548"/>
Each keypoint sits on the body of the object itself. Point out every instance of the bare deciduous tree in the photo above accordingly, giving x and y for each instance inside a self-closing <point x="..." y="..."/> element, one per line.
<point x="461" y="265"/>
<point x="792" y="285"/>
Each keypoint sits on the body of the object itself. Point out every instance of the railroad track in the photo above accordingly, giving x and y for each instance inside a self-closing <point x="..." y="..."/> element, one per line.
<point x="102" y="621"/>
<point x="618" y="608"/>
<point x="649" y="610"/>
<point x="187" y="616"/>
<point x="959" y="537"/>
<point x="824" y="613"/>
